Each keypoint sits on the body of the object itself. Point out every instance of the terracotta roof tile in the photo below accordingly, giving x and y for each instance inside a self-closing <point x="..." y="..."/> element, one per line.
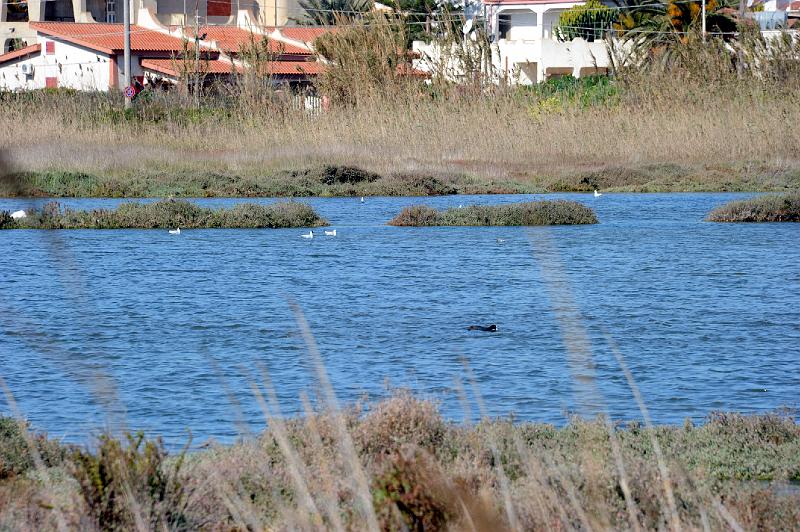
<point x="303" y="33"/>
<point x="21" y="53"/>
<point x="284" y="68"/>
<point x="231" y="39"/>
<point x="109" y="38"/>
<point x="172" y="68"/>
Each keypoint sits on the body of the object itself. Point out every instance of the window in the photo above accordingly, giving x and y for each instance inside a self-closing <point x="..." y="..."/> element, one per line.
<point x="17" y="11"/>
<point x="218" y="8"/>
<point x="111" y="11"/>
<point x="50" y="48"/>
<point x="503" y="25"/>
<point x="51" y="83"/>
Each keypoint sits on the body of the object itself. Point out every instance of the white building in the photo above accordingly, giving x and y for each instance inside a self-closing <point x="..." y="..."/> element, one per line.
<point x="524" y="47"/>
<point x="88" y="57"/>
<point x="16" y="14"/>
<point x="527" y="48"/>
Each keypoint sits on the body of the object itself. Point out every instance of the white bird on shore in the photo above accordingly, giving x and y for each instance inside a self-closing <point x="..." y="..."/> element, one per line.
<point x="18" y="214"/>
<point x="330" y="233"/>
<point x="597" y="194"/>
<point x="309" y="235"/>
<point x="175" y="231"/>
<point x="460" y="206"/>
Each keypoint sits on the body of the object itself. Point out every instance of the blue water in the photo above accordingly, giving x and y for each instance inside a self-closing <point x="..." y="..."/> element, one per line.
<point x="148" y="330"/>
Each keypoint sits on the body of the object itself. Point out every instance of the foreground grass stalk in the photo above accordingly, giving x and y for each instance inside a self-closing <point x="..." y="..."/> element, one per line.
<point x="328" y="491"/>
<point x="579" y="348"/>
<point x="630" y="503"/>
<point x="273" y="418"/>
<point x="662" y="464"/>
<point x="32" y="449"/>
<point x="344" y="438"/>
<point x="505" y="489"/>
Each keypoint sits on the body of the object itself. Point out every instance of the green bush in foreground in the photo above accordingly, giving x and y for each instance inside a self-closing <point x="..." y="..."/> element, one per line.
<point x="168" y="214"/>
<point x="771" y="208"/>
<point x="556" y="212"/>
<point x="16" y="457"/>
<point x="424" y="472"/>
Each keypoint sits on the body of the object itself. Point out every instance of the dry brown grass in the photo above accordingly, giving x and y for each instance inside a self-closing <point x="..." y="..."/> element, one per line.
<point x="733" y="136"/>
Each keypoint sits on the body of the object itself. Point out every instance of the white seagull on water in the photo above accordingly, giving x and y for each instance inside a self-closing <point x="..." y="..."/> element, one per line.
<point x="330" y="233"/>
<point x="309" y="235"/>
<point x="175" y="231"/>
<point x="597" y="194"/>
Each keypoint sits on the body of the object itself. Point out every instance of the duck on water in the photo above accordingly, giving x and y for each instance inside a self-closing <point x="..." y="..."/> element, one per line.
<point x="484" y="328"/>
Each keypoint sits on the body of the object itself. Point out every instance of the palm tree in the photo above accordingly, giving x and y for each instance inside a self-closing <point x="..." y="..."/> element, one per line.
<point x="654" y="27"/>
<point x="326" y="12"/>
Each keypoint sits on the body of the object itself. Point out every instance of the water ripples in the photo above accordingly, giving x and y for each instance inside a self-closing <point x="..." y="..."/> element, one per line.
<point x="707" y="315"/>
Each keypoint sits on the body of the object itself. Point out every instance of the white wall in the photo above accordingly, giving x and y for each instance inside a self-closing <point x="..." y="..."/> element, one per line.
<point x="522" y="24"/>
<point x="550" y="20"/>
<point x="74" y="67"/>
<point x="526" y="63"/>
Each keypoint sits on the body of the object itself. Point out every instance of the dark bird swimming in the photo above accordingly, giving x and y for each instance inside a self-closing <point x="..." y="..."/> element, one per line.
<point x="487" y="328"/>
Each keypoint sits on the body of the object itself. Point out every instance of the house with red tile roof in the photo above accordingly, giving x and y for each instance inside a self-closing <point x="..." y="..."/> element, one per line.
<point x="16" y="14"/>
<point x="89" y="56"/>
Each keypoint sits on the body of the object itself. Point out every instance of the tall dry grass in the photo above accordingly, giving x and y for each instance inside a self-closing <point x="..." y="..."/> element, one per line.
<point x="701" y="127"/>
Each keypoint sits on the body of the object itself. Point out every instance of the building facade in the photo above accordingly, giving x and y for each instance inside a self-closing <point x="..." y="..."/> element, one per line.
<point x="15" y="33"/>
<point x="89" y="56"/>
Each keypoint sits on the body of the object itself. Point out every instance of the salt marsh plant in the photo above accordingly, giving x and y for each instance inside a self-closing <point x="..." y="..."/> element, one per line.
<point x="425" y="472"/>
<point x="167" y="214"/>
<point x="556" y="212"/>
<point x="769" y="208"/>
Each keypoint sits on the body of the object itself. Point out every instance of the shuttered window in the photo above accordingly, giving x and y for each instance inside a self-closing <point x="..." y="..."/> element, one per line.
<point x="219" y="8"/>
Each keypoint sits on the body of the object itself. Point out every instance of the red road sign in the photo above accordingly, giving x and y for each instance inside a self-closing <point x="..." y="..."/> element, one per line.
<point x="130" y="92"/>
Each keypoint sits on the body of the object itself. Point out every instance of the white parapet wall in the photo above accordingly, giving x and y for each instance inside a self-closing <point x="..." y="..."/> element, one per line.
<point x="523" y="62"/>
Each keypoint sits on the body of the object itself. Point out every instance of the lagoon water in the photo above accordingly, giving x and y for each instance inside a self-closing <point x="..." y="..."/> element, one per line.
<point x="166" y="333"/>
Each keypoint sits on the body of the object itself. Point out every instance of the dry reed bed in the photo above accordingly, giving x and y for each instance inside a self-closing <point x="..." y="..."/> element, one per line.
<point x="422" y="472"/>
<point x="675" y="138"/>
<point x="558" y="212"/>
<point x="770" y="208"/>
<point x="167" y="214"/>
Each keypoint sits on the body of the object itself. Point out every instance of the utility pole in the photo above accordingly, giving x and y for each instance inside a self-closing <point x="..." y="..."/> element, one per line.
<point x="127" y="57"/>
<point x="704" y="21"/>
<point x="197" y="54"/>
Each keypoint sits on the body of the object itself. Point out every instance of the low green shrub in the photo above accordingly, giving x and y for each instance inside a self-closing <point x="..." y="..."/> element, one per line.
<point x="16" y="456"/>
<point x="556" y="212"/>
<point x="168" y="214"/>
<point x="770" y="208"/>
<point x="127" y="485"/>
<point x="327" y="180"/>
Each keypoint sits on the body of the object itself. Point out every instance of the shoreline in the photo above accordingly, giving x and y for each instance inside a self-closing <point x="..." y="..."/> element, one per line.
<point x="350" y="181"/>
